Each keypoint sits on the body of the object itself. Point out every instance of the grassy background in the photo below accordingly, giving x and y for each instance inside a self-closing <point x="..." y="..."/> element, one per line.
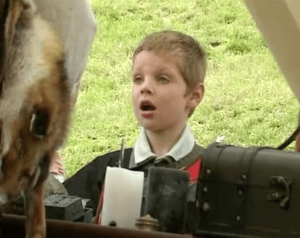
<point x="247" y="99"/>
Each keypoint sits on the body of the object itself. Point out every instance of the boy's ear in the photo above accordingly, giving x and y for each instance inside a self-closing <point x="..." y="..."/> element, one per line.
<point x="196" y="96"/>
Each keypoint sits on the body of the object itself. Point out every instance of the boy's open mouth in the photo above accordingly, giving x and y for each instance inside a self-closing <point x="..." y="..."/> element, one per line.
<point x="147" y="106"/>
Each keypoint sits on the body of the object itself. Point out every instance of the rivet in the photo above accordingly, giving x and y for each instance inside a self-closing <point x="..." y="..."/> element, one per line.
<point x="240" y="192"/>
<point x="238" y="218"/>
<point x="208" y="171"/>
<point x="205" y="189"/>
<point x="205" y="207"/>
<point x="244" y="176"/>
<point x="275" y="195"/>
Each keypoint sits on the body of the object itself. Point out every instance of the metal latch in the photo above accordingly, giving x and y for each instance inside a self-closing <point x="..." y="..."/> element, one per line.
<point x="279" y="190"/>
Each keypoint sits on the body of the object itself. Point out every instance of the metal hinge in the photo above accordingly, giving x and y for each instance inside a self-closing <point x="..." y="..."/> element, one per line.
<point x="279" y="191"/>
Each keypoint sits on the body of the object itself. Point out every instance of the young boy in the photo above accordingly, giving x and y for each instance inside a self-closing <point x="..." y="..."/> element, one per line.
<point x="168" y="73"/>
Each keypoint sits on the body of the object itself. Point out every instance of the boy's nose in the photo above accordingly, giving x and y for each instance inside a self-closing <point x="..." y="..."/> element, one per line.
<point x="147" y="86"/>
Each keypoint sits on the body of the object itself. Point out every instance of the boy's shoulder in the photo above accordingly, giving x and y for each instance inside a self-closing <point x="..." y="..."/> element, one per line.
<point x="195" y="154"/>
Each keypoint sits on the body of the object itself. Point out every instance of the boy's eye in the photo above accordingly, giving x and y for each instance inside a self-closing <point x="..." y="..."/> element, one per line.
<point x="137" y="79"/>
<point x="163" y="79"/>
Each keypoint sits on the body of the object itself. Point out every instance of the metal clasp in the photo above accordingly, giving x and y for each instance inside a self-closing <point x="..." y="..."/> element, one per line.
<point x="279" y="190"/>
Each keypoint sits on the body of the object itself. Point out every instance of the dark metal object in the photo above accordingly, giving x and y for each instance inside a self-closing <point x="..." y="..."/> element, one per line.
<point x="61" y="207"/>
<point x="279" y="191"/>
<point x="166" y="198"/>
<point x="87" y="216"/>
<point x="248" y="192"/>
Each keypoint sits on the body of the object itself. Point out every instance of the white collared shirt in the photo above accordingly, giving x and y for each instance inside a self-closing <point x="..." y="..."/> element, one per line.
<point x="183" y="146"/>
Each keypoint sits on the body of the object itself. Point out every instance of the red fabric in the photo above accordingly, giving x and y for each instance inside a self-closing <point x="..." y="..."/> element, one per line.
<point x="99" y="208"/>
<point x="194" y="170"/>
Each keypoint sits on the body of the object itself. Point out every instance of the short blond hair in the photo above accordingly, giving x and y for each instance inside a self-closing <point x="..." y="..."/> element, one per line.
<point x="189" y="54"/>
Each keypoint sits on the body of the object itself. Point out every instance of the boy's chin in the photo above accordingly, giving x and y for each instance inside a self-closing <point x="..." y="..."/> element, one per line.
<point x="152" y="127"/>
<point x="149" y="126"/>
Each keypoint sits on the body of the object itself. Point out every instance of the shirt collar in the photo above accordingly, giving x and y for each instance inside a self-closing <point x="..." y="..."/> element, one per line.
<point x="183" y="146"/>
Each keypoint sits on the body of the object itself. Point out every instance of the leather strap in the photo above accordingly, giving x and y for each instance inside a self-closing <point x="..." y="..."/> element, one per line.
<point x="289" y="140"/>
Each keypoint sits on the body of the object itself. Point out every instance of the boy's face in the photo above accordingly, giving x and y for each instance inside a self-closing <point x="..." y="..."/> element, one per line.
<point x="158" y="92"/>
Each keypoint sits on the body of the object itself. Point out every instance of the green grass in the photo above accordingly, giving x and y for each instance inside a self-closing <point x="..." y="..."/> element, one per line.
<point x="247" y="99"/>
